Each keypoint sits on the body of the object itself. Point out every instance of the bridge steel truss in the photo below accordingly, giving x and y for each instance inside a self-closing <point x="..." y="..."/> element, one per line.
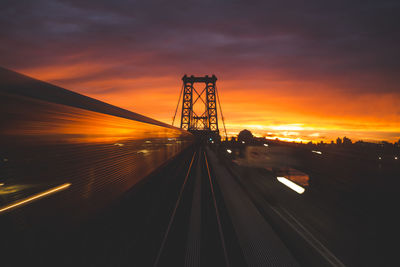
<point x="208" y="120"/>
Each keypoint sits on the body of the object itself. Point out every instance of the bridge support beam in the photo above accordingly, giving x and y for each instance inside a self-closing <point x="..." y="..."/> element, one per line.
<point x="206" y="122"/>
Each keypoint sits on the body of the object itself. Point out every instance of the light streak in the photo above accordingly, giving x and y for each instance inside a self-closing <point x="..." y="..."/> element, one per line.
<point x="34" y="197"/>
<point x="143" y="151"/>
<point x="291" y="185"/>
<point x="316" y="152"/>
<point x="229" y="151"/>
<point x="265" y="144"/>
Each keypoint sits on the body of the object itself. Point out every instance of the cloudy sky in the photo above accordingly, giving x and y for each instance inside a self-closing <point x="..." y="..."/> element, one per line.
<point x="307" y="70"/>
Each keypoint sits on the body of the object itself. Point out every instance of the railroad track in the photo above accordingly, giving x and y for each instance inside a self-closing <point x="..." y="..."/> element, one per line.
<point x="195" y="235"/>
<point x="213" y="223"/>
<point x="190" y="213"/>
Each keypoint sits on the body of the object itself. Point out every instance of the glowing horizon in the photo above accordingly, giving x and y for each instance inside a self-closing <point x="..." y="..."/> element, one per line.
<point x="159" y="103"/>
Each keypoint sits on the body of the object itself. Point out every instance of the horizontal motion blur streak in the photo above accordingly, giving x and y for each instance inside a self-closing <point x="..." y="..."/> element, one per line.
<point x="34" y="197"/>
<point x="291" y="185"/>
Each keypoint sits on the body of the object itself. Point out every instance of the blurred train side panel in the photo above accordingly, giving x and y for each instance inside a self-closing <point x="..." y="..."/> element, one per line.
<point x="64" y="155"/>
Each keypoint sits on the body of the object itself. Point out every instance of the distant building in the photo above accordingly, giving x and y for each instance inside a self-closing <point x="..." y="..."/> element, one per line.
<point x="360" y="143"/>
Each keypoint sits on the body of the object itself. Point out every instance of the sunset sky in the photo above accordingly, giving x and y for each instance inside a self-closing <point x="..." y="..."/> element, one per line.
<point x="310" y="70"/>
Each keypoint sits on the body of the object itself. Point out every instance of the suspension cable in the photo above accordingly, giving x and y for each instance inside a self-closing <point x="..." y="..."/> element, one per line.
<point x="222" y="115"/>
<point x="177" y="105"/>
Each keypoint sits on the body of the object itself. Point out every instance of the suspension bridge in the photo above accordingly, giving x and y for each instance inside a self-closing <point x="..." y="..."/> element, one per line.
<point x="86" y="183"/>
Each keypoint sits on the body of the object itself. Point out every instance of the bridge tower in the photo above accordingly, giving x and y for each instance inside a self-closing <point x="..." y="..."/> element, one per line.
<point x="206" y="121"/>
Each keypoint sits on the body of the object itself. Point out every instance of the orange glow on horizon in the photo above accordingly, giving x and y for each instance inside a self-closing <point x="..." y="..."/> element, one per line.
<point x="272" y="107"/>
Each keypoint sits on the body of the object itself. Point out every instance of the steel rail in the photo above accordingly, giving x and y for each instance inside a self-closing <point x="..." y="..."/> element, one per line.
<point x="221" y="234"/>
<point x="173" y="214"/>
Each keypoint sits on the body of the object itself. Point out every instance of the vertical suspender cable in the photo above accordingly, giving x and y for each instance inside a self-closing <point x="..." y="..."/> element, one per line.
<point x="222" y="115"/>
<point x="177" y="105"/>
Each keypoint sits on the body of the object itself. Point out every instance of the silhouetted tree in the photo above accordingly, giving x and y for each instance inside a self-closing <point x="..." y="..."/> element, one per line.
<point x="245" y="135"/>
<point x="338" y="141"/>
<point x="346" y="141"/>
